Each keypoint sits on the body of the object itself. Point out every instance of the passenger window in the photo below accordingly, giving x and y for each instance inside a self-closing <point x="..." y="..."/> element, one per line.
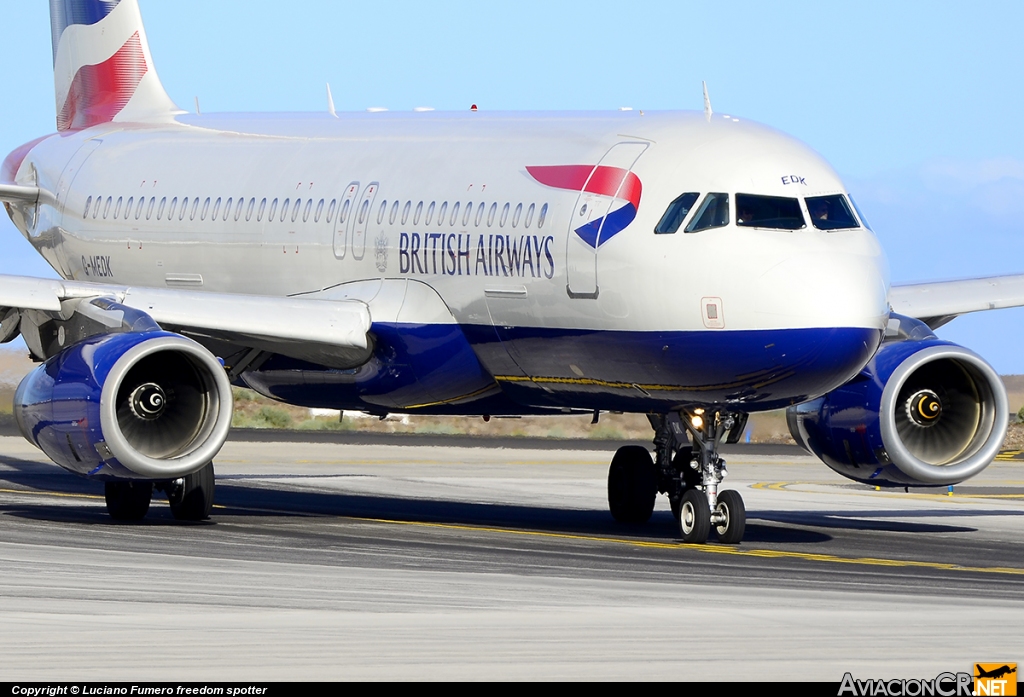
<point x="149" y="209"/>
<point x="466" y="216"/>
<point x="480" y="214"/>
<point x="284" y="209"/>
<point x="713" y="212"/>
<point x="259" y="213"/>
<point x="491" y="214"/>
<point x="160" y="210"/>
<point x="174" y="207"/>
<point x="504" y="214"/>
<point x="543" y="216"/>
<point x="675" y="214"/>
<point x="415" y="218"/>
<point x="830" y="212"/>
<point x="138" y="208"/>
<point x="227" y="209"/>
<point x="772" y="212"/>
<point x="128" y="207"/>
<point x="441" y="213"/>
<point x="330" y="210"/>
<point x="529" y="214"/>
<point x="363" y="211"/>
<point x="382" y="212"/>
<point x="297" y="209"/>
<point x="308" y="210"/>
<point x="455" y="214"/>
<point x="106" y="207"/>
<point x="517" y="215"/>
<point x="430" y="213"/>
<point x="216" y="209"/>
<point x="195" y="208"/>
<point x="88" y="205"/>
<point x="319" y="211"/>
<point x="394" y="213"/>
<point x="184" y="208"/>
<point x="344" y="211"/>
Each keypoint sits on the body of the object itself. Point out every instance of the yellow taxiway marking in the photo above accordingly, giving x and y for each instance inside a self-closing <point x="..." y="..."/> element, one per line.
<point x="57" y="494"/>
<point x="945" y="496"/>
<point x="713" y="548"/>
<point x="646" y="544"/>
<point x="62" y="495"/>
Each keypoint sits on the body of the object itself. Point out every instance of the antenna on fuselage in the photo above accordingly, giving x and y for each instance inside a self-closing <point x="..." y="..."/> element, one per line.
<point x="197" y="106"/>
<point x="707" y="102"/>
<point x="330" y="102"/>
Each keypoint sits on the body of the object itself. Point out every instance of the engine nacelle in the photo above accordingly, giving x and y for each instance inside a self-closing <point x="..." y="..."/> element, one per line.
<point x="148" y="405"/>
<point x="921" y="413"/>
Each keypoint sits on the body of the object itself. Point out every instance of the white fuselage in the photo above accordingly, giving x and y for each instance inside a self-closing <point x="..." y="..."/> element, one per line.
<point x="208" y="212"/>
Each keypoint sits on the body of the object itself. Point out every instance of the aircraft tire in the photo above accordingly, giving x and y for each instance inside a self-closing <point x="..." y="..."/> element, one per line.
<point x="128" y="500"/>
<point x="632" y="485"/>
<point x="730" y="505"/>
<point x="194" y="499"/>
<point x="694" y="517"/>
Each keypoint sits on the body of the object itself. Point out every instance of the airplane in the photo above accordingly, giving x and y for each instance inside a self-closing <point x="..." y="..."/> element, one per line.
<point x="690" y="266"/>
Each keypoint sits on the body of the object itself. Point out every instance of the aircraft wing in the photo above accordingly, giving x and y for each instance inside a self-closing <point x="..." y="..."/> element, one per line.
<point x="333" y="332"/>
<point x="937" y="303"/>
<point x="10" y="193"/>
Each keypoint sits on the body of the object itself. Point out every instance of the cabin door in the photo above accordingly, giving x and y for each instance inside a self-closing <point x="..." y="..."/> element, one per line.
<point x="605" y="205"/>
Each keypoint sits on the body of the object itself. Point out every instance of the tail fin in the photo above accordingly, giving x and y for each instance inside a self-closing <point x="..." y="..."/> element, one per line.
<point x="102" y="68"/>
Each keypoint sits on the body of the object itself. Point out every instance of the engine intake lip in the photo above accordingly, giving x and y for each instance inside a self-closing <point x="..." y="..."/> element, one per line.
<point x="204" y="442"/>
<point x="983" y="446"/>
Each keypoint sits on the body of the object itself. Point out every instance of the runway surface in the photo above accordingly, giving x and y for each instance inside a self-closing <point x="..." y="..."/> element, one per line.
<point x="372" y="560"/>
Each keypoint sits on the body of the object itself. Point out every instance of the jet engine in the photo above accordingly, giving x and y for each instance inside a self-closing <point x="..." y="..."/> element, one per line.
<point x="923" y="412"/>
<point x="135" y="405"/>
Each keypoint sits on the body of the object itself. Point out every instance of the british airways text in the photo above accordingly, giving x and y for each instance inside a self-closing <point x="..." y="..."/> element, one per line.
<point x="463" y="254"/>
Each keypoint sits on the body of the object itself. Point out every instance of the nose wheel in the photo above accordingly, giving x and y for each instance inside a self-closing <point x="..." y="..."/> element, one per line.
<point x="688" y="470"/>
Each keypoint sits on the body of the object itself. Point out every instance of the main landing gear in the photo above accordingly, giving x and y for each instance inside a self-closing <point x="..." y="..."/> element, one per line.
<point x="688" y="473"/>
<point x="190" y="497"/>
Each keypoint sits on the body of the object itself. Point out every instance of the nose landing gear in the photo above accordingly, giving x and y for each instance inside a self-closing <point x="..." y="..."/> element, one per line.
<point x="689" y="474"/>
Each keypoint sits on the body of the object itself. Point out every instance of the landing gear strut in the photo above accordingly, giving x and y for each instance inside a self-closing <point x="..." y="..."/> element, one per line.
<point x="688" y="470"/>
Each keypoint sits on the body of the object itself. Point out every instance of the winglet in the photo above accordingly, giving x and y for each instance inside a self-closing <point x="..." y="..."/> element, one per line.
<point x="330" y="102"/>
<point x="707" y="102"/>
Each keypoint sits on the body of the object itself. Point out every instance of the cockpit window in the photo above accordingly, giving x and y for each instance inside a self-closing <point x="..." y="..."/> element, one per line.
<point x="675" y="214"/>
<point x="773" y="212"/>
<point x="713" y="212"/>
<point x="831" y="212"/>
<point x="860" y="214"/>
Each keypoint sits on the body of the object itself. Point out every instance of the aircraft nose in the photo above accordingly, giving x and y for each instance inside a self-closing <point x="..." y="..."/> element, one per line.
<point x="822" y="289"/>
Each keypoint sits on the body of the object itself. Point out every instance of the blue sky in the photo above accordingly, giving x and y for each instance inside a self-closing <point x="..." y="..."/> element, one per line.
<point x="916" y="104"/>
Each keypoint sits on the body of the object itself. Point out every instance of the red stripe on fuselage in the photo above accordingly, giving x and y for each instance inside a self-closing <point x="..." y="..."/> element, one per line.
<point x="606" y="181"/>
<point x="99" y="92"/>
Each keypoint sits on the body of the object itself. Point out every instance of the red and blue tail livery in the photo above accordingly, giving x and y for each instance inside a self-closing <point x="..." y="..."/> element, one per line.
<point x="618" y="183"/>
<point x="101" y="63"/>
